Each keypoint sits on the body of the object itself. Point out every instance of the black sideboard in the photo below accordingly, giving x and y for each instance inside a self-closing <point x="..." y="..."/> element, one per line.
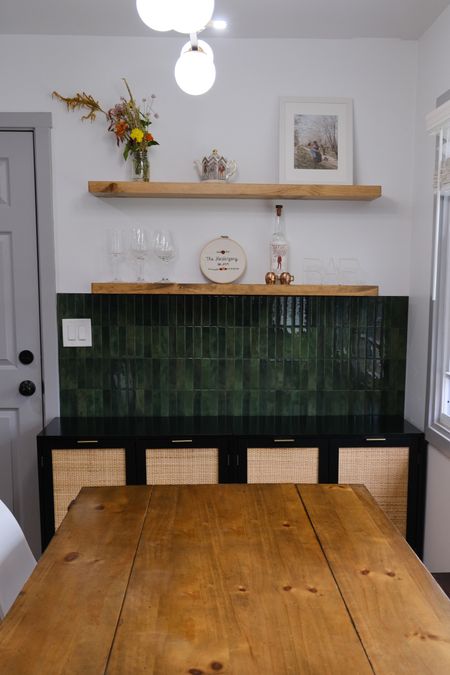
<point x="386" y="453"/>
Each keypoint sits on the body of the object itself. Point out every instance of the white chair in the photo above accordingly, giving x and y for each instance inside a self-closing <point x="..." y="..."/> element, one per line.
<point x="16" y="559"/>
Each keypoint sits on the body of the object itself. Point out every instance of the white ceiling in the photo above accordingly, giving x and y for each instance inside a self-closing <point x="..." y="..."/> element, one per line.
<point x="406" y="19"/>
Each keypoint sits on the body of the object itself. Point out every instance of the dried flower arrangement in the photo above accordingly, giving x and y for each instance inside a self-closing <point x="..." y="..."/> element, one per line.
<point x="127" y="120"/>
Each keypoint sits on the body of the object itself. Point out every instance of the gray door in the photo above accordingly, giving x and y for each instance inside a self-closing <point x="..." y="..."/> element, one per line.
<point x="20" y="413"/>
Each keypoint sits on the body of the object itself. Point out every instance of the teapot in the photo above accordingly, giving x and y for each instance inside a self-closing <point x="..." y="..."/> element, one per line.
<point x="215" y="167"/>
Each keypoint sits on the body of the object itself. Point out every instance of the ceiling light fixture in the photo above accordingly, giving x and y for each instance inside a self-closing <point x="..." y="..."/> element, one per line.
<point x="195" y="71"/>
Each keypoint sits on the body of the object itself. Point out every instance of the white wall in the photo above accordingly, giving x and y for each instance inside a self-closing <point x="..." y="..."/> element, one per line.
<point x="240" y="117"/>
<point x="433" y="80"/>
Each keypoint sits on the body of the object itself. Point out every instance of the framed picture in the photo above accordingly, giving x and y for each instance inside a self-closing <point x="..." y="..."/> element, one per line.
<point x="316" y="140"/>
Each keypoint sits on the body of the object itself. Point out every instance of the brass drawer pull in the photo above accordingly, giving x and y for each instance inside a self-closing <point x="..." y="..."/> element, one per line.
<point x="375" y="439"/>
<point x="87" y="441"/>
<point x="284" y="440"/>
<point x="182" y="440"/>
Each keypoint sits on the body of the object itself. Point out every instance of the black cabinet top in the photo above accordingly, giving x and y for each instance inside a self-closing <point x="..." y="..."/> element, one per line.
<point x="137" y="427"/>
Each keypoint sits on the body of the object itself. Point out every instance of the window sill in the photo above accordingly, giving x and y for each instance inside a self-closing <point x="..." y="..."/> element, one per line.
<point x="439" y="437"/>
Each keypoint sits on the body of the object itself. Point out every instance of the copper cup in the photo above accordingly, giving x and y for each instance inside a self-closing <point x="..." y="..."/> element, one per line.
<point x="271" y="278"/>
<point x="286" y="278"/>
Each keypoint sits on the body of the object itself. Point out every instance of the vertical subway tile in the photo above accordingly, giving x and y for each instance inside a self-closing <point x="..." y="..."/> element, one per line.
<point x="164" y="309"/>
<point x="188" y="309"/>
<point x="172" y="340"/>
<point x="164" y="374"/>
<point x="139" y="341"/>
<point x="172" y="310"/>
<point x="221" y="302"/>
<point x="189" y="341"/>
<point x="230" y="315"/>
<point x="130" y="339"/>
<point x="238" y="341"/>
<point x="198" y="341"/>
<point x="238" y="383"/>
<point x="213" y="310"/>
<point x="206" y="348"/>
<point x="164" y="403"/>
<point x="370" y="342"/>
<point x="230" y="342"/>
<point x="155" y="316"/>
<point x="221" y="374"/>
<point x="197" y="403"/>
<point x="246" y="342"/>
<point x="196" y="310"/>
<point x="148" y="375"/>
<point x="257" y="355"/>
<point x="122" y="334"/>
<point x="205" y="310"/>
<point x="263" y="342"/>
<point x="254" y="342"/>
<point x="139" y="310"/>
<point x="164" y="341"/>
<point x="139" y="408"/>
<point x="180" y="344"/>
<point x="147" y="310"/>
<point x="213" y="342"/>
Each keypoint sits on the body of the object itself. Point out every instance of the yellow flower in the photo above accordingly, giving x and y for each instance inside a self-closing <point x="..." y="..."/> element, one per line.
<point x="137" y="135"/>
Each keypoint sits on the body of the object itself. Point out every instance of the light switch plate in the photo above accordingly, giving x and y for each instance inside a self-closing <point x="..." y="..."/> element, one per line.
<point x="77" y="333"/>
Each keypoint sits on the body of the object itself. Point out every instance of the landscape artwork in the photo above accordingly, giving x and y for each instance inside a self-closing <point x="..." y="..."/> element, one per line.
<point x="316" y="142"/>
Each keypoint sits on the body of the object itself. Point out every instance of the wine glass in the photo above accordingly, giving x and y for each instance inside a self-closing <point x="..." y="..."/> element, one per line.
<point x="164" y="248"/>
<point x="116" y="250"/>
<point x="139" y="249"/>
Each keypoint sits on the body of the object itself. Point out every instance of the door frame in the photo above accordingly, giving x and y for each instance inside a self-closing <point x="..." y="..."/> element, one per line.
<point x="40" y="124"/>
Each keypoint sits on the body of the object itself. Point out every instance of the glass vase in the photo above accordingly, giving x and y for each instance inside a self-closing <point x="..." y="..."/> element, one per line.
<point x="140" y="165"/>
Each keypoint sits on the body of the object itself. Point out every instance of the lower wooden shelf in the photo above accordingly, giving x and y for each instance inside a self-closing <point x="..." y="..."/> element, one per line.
<point x="229" y="289"/>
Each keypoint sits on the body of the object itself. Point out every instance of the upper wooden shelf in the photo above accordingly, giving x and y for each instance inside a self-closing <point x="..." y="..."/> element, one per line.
<point x="229" y="289"/>
<point x="222" y="190"/>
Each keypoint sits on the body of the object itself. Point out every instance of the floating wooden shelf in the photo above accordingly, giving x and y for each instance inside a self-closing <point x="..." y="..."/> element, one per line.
<point x="206" y="190"/>
<point x="229" y="289"/>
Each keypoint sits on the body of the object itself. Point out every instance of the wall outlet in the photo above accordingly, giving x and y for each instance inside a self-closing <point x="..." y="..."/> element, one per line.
<point x="77" y="333"/>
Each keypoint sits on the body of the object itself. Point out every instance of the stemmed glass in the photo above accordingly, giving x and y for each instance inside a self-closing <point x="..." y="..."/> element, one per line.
<point x="116" y="250"/>
<point x="164" y="248"/>
<point x="139" y="249"/>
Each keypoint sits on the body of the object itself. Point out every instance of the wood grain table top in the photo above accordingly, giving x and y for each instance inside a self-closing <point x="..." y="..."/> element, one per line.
<point x="236" y="579"/>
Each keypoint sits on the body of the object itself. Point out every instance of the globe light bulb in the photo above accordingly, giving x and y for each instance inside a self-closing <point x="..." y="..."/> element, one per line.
<point x="157" y="14"/>
<point x="191" y="16"/>
<point x="195" y="72"/>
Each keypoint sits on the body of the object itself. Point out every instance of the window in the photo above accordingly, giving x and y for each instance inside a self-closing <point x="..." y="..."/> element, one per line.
<point x="438" y="431"/>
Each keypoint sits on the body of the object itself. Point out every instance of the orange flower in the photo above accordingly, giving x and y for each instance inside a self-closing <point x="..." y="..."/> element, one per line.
<point x="149" y="137"/>
<point x="120" y="128"/>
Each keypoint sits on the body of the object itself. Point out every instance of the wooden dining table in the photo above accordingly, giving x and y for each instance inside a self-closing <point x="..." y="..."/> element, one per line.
<point x="237" y="579"/>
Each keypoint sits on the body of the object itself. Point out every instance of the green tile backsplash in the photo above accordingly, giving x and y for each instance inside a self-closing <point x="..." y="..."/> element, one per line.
<point x="209" y="355"/>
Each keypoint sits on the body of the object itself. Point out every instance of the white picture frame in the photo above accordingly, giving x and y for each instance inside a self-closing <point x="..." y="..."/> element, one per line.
<point x="316" y="140"/>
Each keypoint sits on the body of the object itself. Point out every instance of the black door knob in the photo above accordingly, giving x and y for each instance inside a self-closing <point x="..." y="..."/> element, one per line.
<point x="27" y="388"/>
<point x="26" y="357"/>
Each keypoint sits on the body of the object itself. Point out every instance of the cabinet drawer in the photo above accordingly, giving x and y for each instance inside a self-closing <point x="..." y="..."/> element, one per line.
<point x="75" y="468"/>
<point x="384" y="471"/>
<point x="283" y="465"/>
<point x="181" y="466"/>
